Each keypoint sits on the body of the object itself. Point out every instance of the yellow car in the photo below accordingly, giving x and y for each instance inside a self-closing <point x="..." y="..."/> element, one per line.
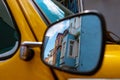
<point x="25" y="21"/>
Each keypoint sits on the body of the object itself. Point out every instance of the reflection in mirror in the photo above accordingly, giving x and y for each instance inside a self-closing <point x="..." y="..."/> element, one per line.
<point x="74" y="44"/>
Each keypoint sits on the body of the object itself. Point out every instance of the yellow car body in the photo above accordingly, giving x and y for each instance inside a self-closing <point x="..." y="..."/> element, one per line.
<point x="32" y="28"/>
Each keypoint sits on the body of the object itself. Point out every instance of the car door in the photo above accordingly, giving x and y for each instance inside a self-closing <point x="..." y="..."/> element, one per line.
<point x="37" y="29"/>
<point x="29" y="24"/>
<point x="44" y="13"/>
<point x="15" y="29"/>
<point x="111" y="54"/>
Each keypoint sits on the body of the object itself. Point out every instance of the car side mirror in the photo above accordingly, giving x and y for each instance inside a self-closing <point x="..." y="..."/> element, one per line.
<point x="76" y="44"/>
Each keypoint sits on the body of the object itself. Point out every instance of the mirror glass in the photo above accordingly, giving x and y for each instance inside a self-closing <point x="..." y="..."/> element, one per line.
<point x="74" y="44"/>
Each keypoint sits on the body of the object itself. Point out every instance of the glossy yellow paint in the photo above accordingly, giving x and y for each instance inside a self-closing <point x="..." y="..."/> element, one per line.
<point x="111" y="50"/>
<point x="33" y="18"/>
<point x="15" y="68"/>
<point x="27" y="18"/>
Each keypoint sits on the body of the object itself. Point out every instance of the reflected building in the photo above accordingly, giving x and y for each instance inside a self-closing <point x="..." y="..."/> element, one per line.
<point x="66" y="51"/>
<point x="54" y="55"/>
<point x="49" y="59"/>
<point x="70" y="51"/>
<point x="67" y="59"/>
<point x="57" y="52"/>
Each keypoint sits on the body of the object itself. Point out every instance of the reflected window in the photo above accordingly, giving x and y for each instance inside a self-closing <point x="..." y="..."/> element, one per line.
<point x="71" y="45"/>
<point x="63" y="49"/>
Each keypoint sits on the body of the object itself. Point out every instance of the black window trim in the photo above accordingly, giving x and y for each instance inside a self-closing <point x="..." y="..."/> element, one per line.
<point x="41" y="13"/>
<point x="16" y="28"/>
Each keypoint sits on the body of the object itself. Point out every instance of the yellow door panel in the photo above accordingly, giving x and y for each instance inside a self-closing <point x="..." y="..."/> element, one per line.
<point x="33" y="18"/>
<point x="15" y="68"/>
<point x="39" y="27"/>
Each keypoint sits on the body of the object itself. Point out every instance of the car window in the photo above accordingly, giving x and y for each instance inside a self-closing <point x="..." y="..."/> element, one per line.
<point x="52" y="10"/>
<point x="8" y="34"/>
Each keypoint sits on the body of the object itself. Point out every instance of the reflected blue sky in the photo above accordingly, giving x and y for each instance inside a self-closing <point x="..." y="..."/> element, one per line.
<point x="50" y="9"/>
<point x="52" y="33"/>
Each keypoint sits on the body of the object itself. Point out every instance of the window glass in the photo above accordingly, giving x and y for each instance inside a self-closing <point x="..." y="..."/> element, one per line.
<point x="8" y="34"/>
<point x="63" y="49"/>
<point x="71" y="48"/>
<point x="8" y="39"/>
<point x="52" y="10"/>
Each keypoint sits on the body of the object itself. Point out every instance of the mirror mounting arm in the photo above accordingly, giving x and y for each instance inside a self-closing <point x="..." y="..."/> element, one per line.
<point x="26" y="51"/>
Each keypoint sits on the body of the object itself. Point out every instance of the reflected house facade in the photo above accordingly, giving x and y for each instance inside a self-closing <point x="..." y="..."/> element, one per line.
<point x="70" y="51"/>
<point x="75" y="29"/>
<point x="57" y="51"/>
<point x="67" y="58"/>
<point x="66" y="51"/>
<point x="54" y="55"/>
